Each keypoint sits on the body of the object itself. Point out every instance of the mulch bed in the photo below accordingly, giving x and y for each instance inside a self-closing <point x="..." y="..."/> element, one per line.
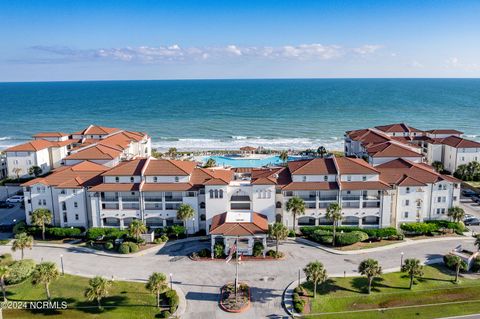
<point x="231" y="303"/>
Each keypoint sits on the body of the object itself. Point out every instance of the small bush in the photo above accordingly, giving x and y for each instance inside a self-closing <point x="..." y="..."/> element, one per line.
<point x="298" y="303"/>
<point x="58" y="232"/>
<point x="218" y="249"/>
<point x="164" y="238"/>
<point x="165" y="314"/>
<point x="258" y="249"/>
<point x="274" y="254"/>
<point x="205" y="252"/>
<point x="291" y="233"/>
<point x="6" y="259"/>
<point x="108" y="245"/>
<point x="19" y="271"/>
<point x="313" y="232"/>
<point x="20" y="227"/>
<point x="172" y="299"/>
<point x="124" y="248"/>
<point x="107" y="233"/>
<point x="476" y="265"/>
<point x="344" y="239"/>
<point x="133" y="247"/>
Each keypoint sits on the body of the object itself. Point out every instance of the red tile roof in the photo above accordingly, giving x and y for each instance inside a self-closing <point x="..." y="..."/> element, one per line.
<point x="445" y="131"/>
<point x="389" y="149"/>
<point x="354" y="166"/>
<point x="50" y="134"/>
<point x="96" y="152"/>
<point x="259" y="225"/>
<point x="127" y="168"/>
<point x="32" y="146"/>
<point x="458" y="142"/>
<point x="317" y="166"/>
<point x="397" y="128"/>
<point x="162" y="167"/>
<point x="97" y="130"/>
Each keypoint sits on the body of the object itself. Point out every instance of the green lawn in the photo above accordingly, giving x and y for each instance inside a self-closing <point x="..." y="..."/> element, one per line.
<point x="127" y="300"/>
<point x="348" y="295"/>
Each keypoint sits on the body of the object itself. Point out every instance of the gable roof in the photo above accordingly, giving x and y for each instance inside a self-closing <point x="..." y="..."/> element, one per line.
<point x="128" y="168"/>
<point x="348" y="165"/>
<point x="445" y="131"/>
<point x="96" y="152"/>
<point x="220" y="226"/>
<point x="458" y="142"/>
<point x="97" y="130"/>
<point x="317" y="166"/>
<point x="397" y="128"/>
<point x="50" y="134"/>
<point x="161" y="167"/>
<point x="389" y="149"/>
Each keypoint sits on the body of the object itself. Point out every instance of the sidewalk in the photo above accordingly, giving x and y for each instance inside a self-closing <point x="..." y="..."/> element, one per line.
<point x="407" y="242"/>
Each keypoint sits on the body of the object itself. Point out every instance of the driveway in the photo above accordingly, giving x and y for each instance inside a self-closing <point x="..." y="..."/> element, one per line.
<point x="201" y="280"/>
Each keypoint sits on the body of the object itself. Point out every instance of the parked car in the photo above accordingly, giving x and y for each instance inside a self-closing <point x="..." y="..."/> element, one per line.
<point x="476" y="199"/>
<point x="468" y="193"/>
<point x="472" y="221"/>
<point x="4" y="204"/>
<point x="15" y="199"/>
<point x="468" y="216"/>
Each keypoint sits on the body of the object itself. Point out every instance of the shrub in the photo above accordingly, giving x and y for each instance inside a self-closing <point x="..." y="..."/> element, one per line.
<point x="310" y="231"/>
<point x="108" y="233"/>
<point x="108" y="245"/>
<point x="176" y="230"/>
<point x="58" y="232"/>
<point x="476" y="265"/>
<point x="205" y="252"/>
<point x="258" y="249"/>
<point x="298" y="303"/>
<point x="420" y="228"/>
<point x="6" y="259"/>
<point x="172" y="299"/>
<point x="165" y="314"/>
<point x="351" y="238"/>
<point x="133" y="247"/>
<point x="19" y="271"/>
<point x="124" y="248"/>
<point x="19" y="227"/>
<point x="274" y="254"/>
<point x="291" y="233"/>
<point x="218" y="249"/>
<point x="164" y="238"/>
<point x="449" y="262"/>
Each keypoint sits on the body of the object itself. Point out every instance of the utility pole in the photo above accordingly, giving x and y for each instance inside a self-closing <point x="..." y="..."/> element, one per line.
<point x="236" y="272"/>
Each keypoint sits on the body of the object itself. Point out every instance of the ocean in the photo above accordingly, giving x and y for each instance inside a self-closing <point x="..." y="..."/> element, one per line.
<point x="228" y="114"/>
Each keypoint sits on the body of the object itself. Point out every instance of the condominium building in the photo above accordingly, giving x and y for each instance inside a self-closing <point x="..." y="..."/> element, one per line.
<point x="382" y="144"/>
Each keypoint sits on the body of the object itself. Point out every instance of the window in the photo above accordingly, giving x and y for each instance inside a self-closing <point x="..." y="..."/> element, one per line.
<point x="407" y="202"/>
<point x="405" y="215"/>
<point x="64" y="206"/>
<point x="454" y="198"/>
<point x="65" y="220"/>
<point x="325" y="178"/>
<point x="202" y="205"/>
<point x="155" y="179"/>
<point x="63" y="192"/>
<point x="221" y="193"/>
<point x="408" y="190"/>
<point x="117" y="179"/>
<point x="441" y="199"/>
<point x="132" y="179"/>
<point x="74" y="191"/>
<point x="176" y="179"/>
<point x="259" y="194"/>
<point x="364" y="178"/>
<point x="304" y="178"/>
<point x="75" y="204"/>
<point x="349" y="178"/>
<point x="76" y="217"/>
<point x="211" y="193"/>
<point x="202" y="217"/>
<point x="216" y="193"/>
<point x="39" y="202"/>
<point x="44" y="202"/>
<point x="269" y="194"/>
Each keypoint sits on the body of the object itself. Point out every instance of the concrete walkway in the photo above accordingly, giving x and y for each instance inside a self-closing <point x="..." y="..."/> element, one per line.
<point x="201" y="281"/>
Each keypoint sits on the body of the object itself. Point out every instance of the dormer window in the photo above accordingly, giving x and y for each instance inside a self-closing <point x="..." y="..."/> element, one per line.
<point x="408" y="190"/>
<point x="176" y="179"/>
<point x="364" y="178"/>
<point x="132" y="179"/>
<point x="304" y="178"/>
<point x="117" y="179"/>
<point x="349" y="178"/>
<point x="155" y="179"/>
<point x="325" y="178"/>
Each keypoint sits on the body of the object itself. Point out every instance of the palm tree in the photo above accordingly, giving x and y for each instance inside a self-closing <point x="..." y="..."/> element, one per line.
<point x="210" y="163"/>
<point x="4" y="273"/>
<point x="278" y="231"/>
<point x="21" y="242"/>
<point x="438" y="166"/>
<point x="334" y="213"/>
<point x="41" y="217"/>
<point x="315" y="273"/>
<point x="283" y="156"/>
<point x="137" y="228"/>
<point x="322" y="151"/>
<point x="157" y="283"/>
<point x="456" y="213"/>
<point x="413" y="268"/>
<point x="172" y="152"/>
<point x="456" y="262"/>
<point x="45" y="273"/>
<point x="371" y="269"/>
<point x="35" y="170"/>
<point x="97" y="289"/>
<point x="184" y="213"/>
<point x="296" y="206"/>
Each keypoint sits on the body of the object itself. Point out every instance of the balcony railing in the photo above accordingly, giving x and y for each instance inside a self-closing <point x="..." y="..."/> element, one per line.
<point x="371" y="197"/>
<point x="131" y="206"/>
<point x="153" y="199"/>
<point x="310" y="205"/>
<point x="240" y="198"/>
<point x="173" y="199"/>
<point x="153" y="206"/>
<point x="351" y="205"/>
<point x="328" y="198"/>
<point x="110" y="206"/>
<point x="371" y="204"/>
<point x="240" y="206"/>
<point x="171" y="206"/>
<point x="130" y="198"/>
<point x="110" y="199"/>
<point x="350" y="197"/>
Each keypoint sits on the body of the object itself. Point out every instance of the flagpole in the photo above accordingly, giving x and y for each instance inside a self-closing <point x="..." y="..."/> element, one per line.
<point x="236" y="272"/>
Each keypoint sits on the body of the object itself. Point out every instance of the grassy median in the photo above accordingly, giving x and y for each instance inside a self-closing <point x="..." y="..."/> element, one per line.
<point x="126" y="300"/>
<point x="346" y="297"/>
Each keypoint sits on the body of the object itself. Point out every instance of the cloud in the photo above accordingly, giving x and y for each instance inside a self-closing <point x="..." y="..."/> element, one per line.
<point x="417" y="65"/>
<point x="177" y="53"/>
<point x="455" y="63"/>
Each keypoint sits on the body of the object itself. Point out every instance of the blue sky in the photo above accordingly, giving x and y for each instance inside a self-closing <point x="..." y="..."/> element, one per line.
<point x="92" y="40"/>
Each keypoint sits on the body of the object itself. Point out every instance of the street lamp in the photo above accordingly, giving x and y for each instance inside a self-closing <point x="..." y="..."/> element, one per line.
<point x="299" y="272"/>
<point x="61" y="262"/>
<point x="171" y="281"/>
<point x="193" y="220"/>
<point x="401" y="259"/>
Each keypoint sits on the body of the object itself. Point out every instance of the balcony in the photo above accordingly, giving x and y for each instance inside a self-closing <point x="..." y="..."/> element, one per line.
<point x="153" y="206"/>
<point x="109" y="199"/>
<point x="113" y="206"/>
<point x="131" y="206"/>
<point x="350" y="197"/>
<point x="240" y="206"/>
<point x="130" y="199"/>
<point x="371" y="204"/>
<point x="240" y="198"/>
<point x="153" y="199"/>
<point x="173" y="199"/>
<point x="371" y="197"/>
<point x="351" y="205"/>
<point x="310" y="205"/>
<point x="328" y="198"/>
<point x="171" y="206"/>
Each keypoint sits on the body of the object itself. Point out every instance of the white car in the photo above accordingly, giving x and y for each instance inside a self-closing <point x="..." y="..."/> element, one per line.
<point x="15" y="199"/>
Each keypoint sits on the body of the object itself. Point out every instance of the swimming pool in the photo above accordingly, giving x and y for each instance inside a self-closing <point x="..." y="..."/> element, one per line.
<point x="237" y="161"/>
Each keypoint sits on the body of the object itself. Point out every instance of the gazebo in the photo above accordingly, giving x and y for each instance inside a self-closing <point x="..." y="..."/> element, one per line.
<point x="248" y="150"/>
<point x="242" y="227"/>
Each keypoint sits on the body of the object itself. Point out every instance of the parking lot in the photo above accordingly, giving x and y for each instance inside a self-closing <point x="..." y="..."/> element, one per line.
<point x="11" y="215"/>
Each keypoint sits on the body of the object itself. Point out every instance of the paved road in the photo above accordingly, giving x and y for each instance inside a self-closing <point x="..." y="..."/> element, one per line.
<point x="8" y="215"/>
<point x="202" y="280"/>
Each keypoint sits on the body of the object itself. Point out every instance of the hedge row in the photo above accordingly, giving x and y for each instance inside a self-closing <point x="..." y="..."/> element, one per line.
<point x="108" y="233"/>
<point x="386" y="232"/>
<point x="431" y="227"/>
<point x="55" y="232"/>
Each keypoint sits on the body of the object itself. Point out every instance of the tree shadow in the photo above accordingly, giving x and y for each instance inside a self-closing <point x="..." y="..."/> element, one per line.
<point x="327" y="287"/>
<point x="183" y="249"/>
<point x="361" y="284"/>
<point x="263" y="295"/>
<point x="108" y="304"/>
